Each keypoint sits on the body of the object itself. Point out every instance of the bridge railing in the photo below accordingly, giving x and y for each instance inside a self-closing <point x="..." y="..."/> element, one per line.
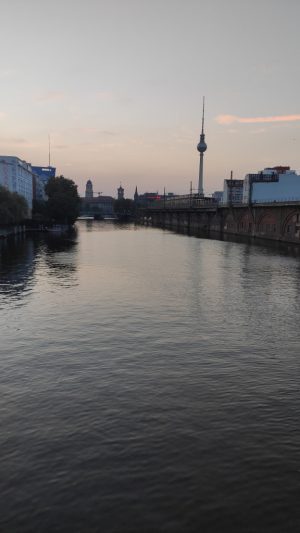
<point x="286" y="200"/>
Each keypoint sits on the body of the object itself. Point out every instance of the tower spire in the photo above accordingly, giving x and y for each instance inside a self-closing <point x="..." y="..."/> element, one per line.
<point x="136" y="195"/>
<point x="202" y="132"/>
<point x="201" y="147"/>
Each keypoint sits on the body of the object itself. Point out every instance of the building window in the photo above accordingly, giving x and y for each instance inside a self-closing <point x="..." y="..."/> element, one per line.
<point x="288" y="228"/>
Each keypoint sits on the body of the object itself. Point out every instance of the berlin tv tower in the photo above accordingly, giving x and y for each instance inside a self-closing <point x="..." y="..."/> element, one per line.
<point x="201" y="147"/>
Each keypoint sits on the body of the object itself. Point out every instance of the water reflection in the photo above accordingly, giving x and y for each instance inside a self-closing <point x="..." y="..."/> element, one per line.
<point x="23" y="259"/>
<point x="105" y="225"/>
<point x="60" y="259"/>
<point x="17" y="267"/>
<point x="274" y="247"/>
<point x="164" y="385"/>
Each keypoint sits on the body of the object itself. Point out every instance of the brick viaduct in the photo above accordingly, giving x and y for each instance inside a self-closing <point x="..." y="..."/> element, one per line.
<point x="276" y="221"/>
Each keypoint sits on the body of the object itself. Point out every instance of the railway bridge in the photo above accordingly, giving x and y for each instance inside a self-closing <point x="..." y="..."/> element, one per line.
<point x="277" y="221"/>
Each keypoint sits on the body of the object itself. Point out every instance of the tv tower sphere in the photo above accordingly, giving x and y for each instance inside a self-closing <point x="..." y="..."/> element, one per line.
<point x="201" y="146"/>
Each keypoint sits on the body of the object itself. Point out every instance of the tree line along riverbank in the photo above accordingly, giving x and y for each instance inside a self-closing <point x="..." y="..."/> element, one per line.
<point x="62" y="206"/>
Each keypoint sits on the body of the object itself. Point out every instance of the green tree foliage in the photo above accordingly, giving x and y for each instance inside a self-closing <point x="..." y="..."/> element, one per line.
<point x="39" y="210"/>
<point x="63" y="204"/>
<point x="13" y="207"/>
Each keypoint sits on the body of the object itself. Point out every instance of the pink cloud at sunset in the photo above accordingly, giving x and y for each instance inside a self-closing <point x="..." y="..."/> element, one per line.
<point x="230" y="119"/>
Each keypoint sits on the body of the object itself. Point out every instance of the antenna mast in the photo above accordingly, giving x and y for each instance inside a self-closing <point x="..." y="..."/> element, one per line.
<point x="203" y="116"/>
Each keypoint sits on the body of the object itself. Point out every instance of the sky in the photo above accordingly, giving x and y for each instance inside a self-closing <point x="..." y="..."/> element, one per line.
<point x="118" y="86"/>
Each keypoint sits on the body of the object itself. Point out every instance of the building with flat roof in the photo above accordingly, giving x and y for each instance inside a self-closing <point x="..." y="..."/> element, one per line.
<point x="275" y="184"/>
<point x="146" y="199"/>
<point x="218" y="196"/>
<point x="17" y="176"/>
<point x="44" y="172"/>
<point x="233" y="191"/>
<point x="40" y="180"/>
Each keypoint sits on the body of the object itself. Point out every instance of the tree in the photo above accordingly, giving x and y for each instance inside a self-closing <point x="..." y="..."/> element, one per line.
<point x="39" y="210"/>
<point x="63" y="204"/>
<point x="13" y="207"/>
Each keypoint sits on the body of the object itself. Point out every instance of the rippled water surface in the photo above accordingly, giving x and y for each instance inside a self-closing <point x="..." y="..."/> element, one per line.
<point x="149" y="383"/>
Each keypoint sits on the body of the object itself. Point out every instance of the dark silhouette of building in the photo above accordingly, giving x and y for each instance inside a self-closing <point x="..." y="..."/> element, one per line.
<point x="96" y="206"/>
<point x="120" y="193"/>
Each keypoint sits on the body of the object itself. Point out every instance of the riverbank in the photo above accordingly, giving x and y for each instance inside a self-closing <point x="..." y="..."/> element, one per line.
<point x="11" y="231"/>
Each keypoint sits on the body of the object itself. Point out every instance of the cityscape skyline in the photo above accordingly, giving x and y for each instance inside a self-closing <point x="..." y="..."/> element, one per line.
<point x="119" y="86"/>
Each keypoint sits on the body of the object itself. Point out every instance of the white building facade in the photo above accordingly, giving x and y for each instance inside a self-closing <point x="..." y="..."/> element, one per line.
<point x="277" y="184"/>
<point x="16" y="175"/>
<point x="286" y="189"/>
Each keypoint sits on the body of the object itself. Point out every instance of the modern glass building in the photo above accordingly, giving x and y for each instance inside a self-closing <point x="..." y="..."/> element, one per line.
<point x="41" y="177"/>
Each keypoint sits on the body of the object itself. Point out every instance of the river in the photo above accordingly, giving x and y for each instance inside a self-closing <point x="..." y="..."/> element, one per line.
<point x="149" y="383"/>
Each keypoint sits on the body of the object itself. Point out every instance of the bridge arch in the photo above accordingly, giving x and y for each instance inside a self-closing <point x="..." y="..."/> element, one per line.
<point x="245" y="222"/>
<point x="291" y="226"/>
<point x="267" y="224"/>
<point x="230" y="222"/>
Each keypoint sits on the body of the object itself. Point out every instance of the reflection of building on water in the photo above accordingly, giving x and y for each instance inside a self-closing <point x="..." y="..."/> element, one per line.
<point x="22" y="258"/>
<point x="59" y="258"/>
<point x="17" y="266"/>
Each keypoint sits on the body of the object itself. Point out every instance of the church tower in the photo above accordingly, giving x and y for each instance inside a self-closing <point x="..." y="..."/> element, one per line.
<point x="89" y="189"/>
<point x="120" y="193"/>
<point x="136" y="195"/>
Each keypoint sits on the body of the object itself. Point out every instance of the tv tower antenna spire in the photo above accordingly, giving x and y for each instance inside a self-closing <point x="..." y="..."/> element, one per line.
<point x="201" y="147"/>
<point x="49" y="148"/>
